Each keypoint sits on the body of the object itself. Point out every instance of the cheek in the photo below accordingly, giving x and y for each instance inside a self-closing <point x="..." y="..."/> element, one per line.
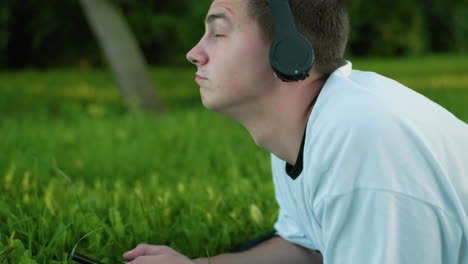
<point x="256" y="68"/>
<point x="256" y="54"/>
<point x="241" y="64"/>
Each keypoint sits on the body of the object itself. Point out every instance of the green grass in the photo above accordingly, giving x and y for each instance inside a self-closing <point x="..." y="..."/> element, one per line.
<point x="77" y="170"/>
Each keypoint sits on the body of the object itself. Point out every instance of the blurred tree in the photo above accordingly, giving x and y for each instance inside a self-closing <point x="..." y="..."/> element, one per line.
<point x="4" y="34"/>
<point x="447" y="24"/>
<point x="460" y="21"/>
<point x="36" y="35"/>
<point x="386" y="28"/>
<point x="123" y="54"/>
<point x="166" y="29"/>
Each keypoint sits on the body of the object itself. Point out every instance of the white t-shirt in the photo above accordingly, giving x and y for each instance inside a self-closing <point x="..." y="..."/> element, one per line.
<point x="384" y="178"/>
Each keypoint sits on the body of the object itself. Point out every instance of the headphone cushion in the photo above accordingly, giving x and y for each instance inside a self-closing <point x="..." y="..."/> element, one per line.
<point x="291" y="55"/>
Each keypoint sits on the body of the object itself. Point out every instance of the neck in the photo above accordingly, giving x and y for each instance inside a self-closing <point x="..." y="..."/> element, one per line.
<point x="277" y="123"/>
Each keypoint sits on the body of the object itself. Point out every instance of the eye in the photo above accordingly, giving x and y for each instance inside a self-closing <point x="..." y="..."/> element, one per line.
<point x="219" y="35"/>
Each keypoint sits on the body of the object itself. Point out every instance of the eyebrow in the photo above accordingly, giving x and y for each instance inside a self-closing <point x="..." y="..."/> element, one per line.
<point x="212" y="17"/>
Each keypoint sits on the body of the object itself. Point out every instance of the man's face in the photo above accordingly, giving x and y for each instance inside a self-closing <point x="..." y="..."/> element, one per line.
<point x="232" y="59"/>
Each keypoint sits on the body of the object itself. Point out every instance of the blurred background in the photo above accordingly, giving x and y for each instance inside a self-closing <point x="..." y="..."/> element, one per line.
<point x="56" y="33"/>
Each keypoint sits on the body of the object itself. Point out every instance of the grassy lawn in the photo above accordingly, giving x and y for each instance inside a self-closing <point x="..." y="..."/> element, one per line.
<point x="78" y="171"/>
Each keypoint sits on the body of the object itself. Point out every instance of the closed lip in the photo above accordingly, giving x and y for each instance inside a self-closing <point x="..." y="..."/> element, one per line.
<point x="199" y="76"/>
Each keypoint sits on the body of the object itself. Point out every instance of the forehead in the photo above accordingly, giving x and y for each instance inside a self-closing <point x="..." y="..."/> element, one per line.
<point x="235" y="9"/>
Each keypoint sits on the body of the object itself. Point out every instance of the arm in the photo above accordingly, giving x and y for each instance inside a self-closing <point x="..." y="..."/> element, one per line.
<point x="275" y="250"/>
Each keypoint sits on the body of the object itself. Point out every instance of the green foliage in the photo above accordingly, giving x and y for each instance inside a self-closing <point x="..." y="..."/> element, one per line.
<point x="447" y="24"/>
<point x="385" y="27"/>
<point x="164" y="29"/>
<point x="4" y="32"/>
<point x="14" y="249"/>
<point x="460" y="27"/>
<point x="402" y="27"/>
<point x="57" y="34"/>
<point x="78" y="172"/>
<point x="44" y="35"/>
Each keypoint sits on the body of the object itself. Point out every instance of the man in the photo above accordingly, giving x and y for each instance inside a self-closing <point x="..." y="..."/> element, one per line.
<point x="365" y="169"/>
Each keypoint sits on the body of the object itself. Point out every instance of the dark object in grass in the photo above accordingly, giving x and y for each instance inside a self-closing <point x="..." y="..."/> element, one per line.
<point x="83" y="259"/>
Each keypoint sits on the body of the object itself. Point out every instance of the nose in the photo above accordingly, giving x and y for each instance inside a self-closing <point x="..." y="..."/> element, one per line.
<point x="197" y="55"/>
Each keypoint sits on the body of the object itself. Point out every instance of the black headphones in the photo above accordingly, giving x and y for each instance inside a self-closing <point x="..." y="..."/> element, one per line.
<point x="291" y="54"/>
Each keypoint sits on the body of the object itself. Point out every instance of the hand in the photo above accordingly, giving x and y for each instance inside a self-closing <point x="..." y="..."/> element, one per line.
<point x="148" y="254"/>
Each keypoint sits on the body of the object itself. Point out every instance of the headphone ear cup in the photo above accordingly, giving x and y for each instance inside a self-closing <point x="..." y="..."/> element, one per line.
<point x="291" y="54"/>
<point x="291" y="57"/>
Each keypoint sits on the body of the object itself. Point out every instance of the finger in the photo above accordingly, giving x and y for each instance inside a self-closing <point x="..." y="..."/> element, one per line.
<point x="159" y="259"/>
<point x="142" y="250"/>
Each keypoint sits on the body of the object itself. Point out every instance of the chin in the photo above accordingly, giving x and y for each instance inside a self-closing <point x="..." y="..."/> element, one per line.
<point x="204" y="98"/>
<point x="211" y="106"/>
<point x="217" y="102"/>
<point x="208" y="99"/>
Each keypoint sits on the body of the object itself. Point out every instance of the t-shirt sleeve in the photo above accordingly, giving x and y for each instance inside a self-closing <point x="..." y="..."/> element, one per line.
<point x="289" y="230"/>
<point x="369" y="226"/>
<point x="286" y="224"/>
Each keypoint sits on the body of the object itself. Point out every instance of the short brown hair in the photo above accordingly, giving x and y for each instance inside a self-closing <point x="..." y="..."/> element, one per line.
<point x="324" y="23"/>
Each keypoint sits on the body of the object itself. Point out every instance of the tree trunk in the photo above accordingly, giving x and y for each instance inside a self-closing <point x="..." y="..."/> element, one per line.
<point x="123" y="54"/>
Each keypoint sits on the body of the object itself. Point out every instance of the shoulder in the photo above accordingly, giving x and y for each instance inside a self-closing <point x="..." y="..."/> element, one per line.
<point x="355" y="99"/>
<point x="352" y="132"/>
<point x="359" y="105"/>
<point x="347" y="112"/>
